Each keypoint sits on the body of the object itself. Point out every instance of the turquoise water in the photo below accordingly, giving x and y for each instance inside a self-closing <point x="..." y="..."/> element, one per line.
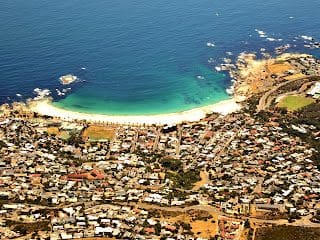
<point x="139" y="56"/>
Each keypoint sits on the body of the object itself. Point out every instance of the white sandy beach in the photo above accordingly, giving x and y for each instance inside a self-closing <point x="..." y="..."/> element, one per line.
<point x="45" y="107"/>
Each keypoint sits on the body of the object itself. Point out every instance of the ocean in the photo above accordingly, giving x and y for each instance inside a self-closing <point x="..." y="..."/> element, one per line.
<point x="140" y="56"/>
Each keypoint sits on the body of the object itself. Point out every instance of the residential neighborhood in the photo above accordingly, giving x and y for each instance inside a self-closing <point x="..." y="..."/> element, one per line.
<point x="233" y="168"/>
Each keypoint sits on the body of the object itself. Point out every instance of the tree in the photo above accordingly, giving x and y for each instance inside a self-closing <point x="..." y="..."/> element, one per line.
<point x="157" y="228"/>
<point x="171" y="164"/>
<point x="75" y="138"/>
<point x="247" y="223"/>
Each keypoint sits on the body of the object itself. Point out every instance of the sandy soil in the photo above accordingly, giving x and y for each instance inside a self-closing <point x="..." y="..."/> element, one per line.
<point x="45" y="107"/>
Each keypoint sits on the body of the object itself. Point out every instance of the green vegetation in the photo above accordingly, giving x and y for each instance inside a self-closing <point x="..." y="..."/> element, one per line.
<point x="75" y="138"/>
<point x="250" y="234"/>
<point x="171" y="164"/>
<point x="184" y="180"/>
<point x="310" y="115"/>
<point x="64" y="135"/>
<point x="2" y="144"/>
<point x="293" y="103"/>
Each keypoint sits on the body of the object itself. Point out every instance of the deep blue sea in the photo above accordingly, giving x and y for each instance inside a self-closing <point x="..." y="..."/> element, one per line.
<point x="139" y="56"/>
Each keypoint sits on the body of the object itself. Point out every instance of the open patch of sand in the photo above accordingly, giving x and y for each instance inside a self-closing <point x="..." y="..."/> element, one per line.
<point x="45" y="107"/>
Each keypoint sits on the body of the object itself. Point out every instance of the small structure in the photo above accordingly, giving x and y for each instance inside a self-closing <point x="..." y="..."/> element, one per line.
<point x="315" y="91"/>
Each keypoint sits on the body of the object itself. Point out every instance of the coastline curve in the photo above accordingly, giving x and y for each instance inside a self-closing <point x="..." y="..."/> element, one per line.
<point x="45" y="107"/>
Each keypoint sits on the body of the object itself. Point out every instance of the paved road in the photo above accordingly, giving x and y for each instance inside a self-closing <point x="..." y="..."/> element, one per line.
<point x="265" y="102"/>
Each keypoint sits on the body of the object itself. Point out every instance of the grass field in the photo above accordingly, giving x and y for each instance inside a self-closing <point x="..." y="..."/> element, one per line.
<point x="97" y="133"/>
<point x="293" y="103"/>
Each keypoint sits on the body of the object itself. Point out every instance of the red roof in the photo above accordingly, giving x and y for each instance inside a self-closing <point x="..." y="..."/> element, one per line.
<point x="149" y="230"/>
<point x="93" y="175"/>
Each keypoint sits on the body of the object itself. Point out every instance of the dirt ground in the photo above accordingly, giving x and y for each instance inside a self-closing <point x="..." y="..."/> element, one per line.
<point x="201" y="228"/>
<point x="96" y="133"/>
<point x="56" y="131"/>
<point x="204" y="180"/>
<point x="278" y="68"/>
<point x="287" y="233"/>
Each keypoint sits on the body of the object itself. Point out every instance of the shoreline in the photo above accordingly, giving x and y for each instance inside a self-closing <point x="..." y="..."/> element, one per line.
<point x="45" y="107"/>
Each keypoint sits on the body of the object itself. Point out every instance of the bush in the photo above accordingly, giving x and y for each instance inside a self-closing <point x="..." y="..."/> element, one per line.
<point x="171" y="164"/>
<point x="185" y="180"/>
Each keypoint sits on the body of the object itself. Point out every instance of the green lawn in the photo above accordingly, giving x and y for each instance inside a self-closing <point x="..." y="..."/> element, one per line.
<point x="293" y="103"/>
